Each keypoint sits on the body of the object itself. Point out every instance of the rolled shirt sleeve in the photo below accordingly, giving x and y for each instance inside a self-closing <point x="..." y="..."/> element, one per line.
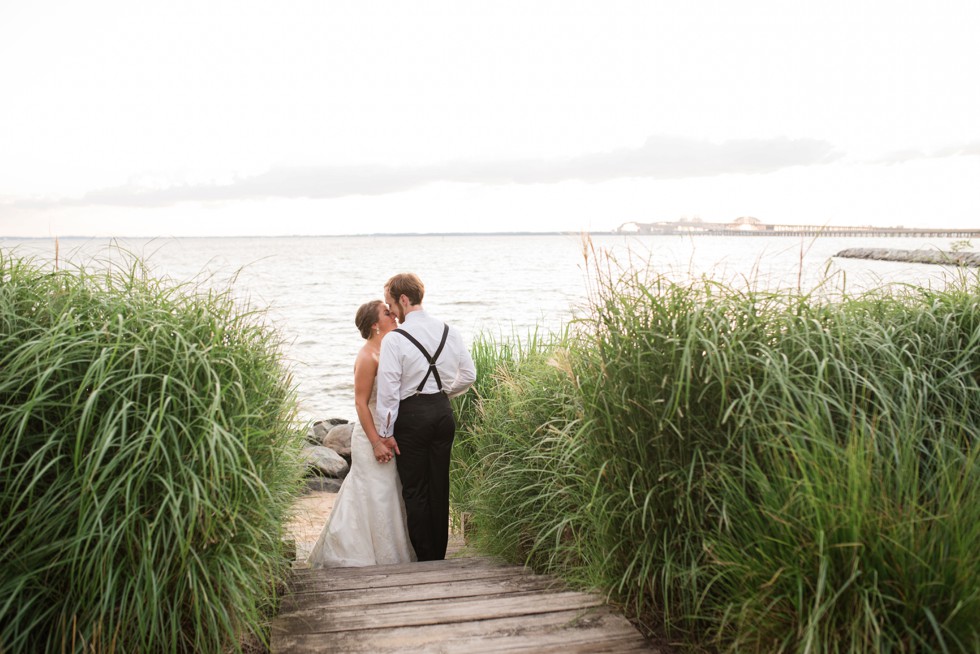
<point x="465" y="368"/>
<point x="389" y="387"/>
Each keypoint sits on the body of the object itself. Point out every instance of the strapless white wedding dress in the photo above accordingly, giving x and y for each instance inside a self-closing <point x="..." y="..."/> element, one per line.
<point x="367" y="525"/>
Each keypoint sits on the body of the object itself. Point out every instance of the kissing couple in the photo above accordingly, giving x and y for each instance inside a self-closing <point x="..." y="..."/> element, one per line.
<point x="393" y="506"/>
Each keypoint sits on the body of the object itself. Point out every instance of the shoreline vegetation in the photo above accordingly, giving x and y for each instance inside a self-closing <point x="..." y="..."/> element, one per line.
<point x="739" y="469"/>
<point x="149" y="461"/>
<point x="742" y="470"/>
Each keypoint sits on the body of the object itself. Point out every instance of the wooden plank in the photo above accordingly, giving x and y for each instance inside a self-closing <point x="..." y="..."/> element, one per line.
<point x="596" y="630"/>
<point x="384" y="616"/>
<point x="600" y="647"/>
<point x="557" y="643"/>
<point x="448" y="564"/>
<point x="329" y="581"/>
<point x="327" y="584"/>
<point x="460" y="605"/>
<point x="327" y="599"/>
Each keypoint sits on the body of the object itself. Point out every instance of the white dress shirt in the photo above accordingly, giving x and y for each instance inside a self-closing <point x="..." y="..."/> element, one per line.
<point x="402" y="366"/>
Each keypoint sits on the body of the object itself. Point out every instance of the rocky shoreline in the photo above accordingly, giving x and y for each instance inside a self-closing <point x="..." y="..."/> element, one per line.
<point x="938" y="257"/>
<point x="327" y="454"/>
<point x="327" y="457"/>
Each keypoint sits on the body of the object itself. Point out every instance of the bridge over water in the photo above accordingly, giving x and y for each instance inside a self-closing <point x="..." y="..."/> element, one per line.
<point x="754" y="227"/>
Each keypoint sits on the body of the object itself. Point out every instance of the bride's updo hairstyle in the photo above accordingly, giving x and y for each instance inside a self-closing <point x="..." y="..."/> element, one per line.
<point x="407" y="284"/>
<point x="366" y="316"/>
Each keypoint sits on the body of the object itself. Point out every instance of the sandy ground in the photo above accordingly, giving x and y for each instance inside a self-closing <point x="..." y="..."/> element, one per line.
<point x="310" y="513"/>
<point x="312" y="510"/>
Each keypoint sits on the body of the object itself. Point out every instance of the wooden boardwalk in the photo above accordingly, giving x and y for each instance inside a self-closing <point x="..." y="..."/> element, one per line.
<point x="458" y="605"/>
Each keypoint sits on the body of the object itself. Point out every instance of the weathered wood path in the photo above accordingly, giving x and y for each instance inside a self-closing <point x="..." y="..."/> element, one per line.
<point x="458" y="605"/>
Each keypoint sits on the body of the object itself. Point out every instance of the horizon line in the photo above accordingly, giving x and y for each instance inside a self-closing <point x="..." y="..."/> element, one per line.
<point x="505" y="233"/>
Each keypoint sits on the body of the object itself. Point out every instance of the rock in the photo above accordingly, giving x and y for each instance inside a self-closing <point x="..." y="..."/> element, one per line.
<point x="328" y="484"/>
<point x="913" y="256"/>
<point x="321" y="428"/>
<point x="338" y="439"/>
<point x="325" y="461"/>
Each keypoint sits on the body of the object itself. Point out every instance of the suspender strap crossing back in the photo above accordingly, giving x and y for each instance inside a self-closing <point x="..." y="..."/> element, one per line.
<point x="431" y="359"/>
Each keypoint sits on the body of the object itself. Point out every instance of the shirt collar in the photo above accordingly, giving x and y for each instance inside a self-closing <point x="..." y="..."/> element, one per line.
<point x="414" y="315"/>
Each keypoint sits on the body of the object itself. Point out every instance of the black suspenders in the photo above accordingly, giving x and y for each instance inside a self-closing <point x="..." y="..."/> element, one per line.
<point x="431" y="359"/>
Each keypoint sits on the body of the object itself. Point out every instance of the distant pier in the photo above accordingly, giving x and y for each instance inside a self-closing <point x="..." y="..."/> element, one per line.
<point x="748" y="226"/>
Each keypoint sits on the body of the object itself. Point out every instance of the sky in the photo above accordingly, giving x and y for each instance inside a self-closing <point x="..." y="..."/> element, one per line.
<point x="254" y="117"/>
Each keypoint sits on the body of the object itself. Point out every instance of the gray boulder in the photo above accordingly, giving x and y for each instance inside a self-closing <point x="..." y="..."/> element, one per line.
<point x="325" y="461"/>
<point x="318" y="483"/>
<point x="338" y="439"/>
<point x="321" y="428"/>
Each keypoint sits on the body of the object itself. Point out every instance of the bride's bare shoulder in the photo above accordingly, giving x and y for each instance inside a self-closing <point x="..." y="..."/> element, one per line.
<point x="367" y="359"/>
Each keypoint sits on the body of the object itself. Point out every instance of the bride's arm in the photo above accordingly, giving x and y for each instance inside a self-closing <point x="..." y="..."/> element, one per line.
<point x="365" y="370"/>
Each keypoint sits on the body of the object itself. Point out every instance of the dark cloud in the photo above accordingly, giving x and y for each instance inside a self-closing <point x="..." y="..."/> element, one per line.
<point x="658" y="158"/>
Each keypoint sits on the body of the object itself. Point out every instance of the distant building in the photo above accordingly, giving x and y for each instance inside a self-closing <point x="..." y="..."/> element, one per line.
<point x="748" y="224"/>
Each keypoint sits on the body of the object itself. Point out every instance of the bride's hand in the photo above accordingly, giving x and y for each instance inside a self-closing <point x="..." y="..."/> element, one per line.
<point x="390" y="447"/>
<point x="381" y="452"/>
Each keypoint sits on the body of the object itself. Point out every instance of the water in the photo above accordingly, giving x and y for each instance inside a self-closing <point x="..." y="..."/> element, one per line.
<point x="502" y="284"/>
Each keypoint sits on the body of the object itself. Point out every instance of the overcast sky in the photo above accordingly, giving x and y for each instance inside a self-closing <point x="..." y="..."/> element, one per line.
<point x="326" y="117"/>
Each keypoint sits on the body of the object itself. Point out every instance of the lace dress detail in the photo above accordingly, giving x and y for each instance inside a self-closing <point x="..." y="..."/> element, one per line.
<point x="367" y="525"/>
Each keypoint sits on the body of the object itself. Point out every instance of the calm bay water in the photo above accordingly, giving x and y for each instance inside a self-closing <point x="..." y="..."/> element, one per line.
<point x="502" y="284"/>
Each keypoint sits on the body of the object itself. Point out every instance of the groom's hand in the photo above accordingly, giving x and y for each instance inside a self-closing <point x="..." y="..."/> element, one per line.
<point x="391" y="444"/>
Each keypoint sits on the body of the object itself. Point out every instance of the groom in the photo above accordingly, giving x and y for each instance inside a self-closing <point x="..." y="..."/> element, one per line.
<point x="422" y="364"/>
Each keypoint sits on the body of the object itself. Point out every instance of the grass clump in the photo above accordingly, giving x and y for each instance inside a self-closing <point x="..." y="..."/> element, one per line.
<point x="746" y="470"/>
<point x="147" y="461"/>
<point x="511" y="457"/>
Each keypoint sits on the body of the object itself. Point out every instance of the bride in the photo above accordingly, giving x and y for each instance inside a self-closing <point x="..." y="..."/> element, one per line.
<point x="367" y="525"/>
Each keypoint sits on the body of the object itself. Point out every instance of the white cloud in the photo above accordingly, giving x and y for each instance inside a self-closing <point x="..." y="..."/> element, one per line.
<point x="969" y="149"/>
<point x="345" y="108"/>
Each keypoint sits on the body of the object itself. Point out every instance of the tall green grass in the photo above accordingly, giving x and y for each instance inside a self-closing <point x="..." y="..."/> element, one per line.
<point x="746" y="470"/>
<point x="514" y="425"/>
<point x="147" y="461"/>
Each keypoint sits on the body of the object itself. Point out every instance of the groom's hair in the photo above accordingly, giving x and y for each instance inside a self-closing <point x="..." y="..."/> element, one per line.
<point x="407" y="284"/>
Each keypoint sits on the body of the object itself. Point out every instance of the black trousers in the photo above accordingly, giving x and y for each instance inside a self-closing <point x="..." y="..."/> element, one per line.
<point x="425" y="429"/>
